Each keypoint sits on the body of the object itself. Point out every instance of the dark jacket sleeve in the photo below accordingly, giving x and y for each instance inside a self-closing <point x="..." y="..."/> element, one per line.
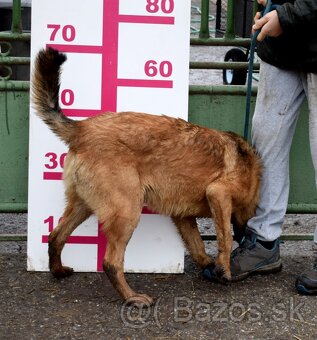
<point x="299" y="16"/>
<point x="296" y="48"/>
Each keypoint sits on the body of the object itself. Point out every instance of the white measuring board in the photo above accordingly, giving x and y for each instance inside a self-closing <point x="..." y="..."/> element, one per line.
<point x="123" y="55"/>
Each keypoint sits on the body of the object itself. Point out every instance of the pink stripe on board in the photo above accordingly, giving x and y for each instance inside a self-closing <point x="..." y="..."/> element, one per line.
<point x="146" y="19"/>
<point x="168" y="84"/>
<point x="76" y="48"/>
<point x="148" y="211"/>
<point x="76" y="239"/>
<point x="100" y="241"/>
<point x="101" y="250"/>
<point x="81" y="112"/>
<point x="52" y="176"/>
<point x="109" y="55"/>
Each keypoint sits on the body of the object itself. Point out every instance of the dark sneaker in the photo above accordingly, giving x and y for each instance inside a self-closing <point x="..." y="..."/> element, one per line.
<point x="251" y="257"/>
<point x="306" y="283"/>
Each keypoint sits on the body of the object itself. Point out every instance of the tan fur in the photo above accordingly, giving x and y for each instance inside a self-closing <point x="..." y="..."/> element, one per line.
<point x="117" y="162"/>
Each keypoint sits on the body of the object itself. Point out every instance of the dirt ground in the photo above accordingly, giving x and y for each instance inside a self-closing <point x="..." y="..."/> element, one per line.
<point x="38" y="306"/>
<point x="85" y="306"/>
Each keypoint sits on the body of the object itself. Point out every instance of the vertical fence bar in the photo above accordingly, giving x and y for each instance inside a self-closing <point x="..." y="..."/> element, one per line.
<point x="230" y="31"/>
<point x="16" y="26"/>
<point x="204" y="23"/>
<point x="218" y="16"/>
<point x="255" y="8"/>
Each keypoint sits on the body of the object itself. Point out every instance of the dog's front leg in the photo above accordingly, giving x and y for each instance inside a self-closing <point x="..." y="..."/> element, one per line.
<point x="220" y="203"/>
<point x="189" y="232"/>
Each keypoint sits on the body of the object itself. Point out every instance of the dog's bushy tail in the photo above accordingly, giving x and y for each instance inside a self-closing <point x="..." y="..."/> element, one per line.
<point x="45" y="93"/>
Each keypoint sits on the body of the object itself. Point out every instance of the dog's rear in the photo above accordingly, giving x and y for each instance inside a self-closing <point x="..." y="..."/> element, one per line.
<point x="118" y="162"/>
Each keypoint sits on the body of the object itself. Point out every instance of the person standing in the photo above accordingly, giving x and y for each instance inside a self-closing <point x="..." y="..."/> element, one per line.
<point x="287" y="47"/>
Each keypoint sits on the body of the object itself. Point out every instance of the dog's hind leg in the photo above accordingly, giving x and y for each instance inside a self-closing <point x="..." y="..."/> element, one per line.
<point x="220" y="203"/>
<point x="189" y="232"/>
<point x="75" y="213"/>
<point x="119" y="225"/>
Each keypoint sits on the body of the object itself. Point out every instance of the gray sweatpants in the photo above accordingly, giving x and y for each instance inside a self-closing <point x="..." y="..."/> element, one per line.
<point x="280" y="95"/>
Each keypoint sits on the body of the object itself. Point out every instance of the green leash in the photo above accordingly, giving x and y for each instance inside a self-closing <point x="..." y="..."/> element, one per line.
<point x="267" y="9"/>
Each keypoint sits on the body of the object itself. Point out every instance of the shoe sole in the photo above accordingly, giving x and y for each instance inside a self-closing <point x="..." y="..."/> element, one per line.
<point x="301" y="289"/>
<point x="267" y="269"/>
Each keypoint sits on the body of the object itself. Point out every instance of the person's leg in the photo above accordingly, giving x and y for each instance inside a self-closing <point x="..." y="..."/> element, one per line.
<point x="306" y="282"/>
<point x="280" y="95"/>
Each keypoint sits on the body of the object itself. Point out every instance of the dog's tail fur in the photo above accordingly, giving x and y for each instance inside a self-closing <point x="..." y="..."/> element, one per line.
<point x="45" y="93"/>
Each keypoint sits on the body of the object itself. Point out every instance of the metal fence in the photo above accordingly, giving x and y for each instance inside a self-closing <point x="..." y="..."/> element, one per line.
<point x="18" y="34"/>
<point x="230" y="38"/>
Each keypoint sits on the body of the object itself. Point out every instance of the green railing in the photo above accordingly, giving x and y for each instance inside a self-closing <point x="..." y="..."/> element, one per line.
<point x="213" y="106"/>
<point x="229" y="39"/>
<point x="16" y="34"/>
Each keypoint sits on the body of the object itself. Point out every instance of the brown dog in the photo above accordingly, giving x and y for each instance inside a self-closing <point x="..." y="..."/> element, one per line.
<point x="118" y="162"/>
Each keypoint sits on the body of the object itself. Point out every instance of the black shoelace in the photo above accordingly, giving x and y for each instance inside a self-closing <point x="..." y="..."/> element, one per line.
<point x="245" y="244"/>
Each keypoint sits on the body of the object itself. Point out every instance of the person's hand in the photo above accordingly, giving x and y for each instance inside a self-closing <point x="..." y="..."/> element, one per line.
<point x="262" y="2"/>
<point x="269" y="24"/>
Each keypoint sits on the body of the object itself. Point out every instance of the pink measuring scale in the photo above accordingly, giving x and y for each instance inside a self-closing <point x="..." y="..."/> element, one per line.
<point x="109" y="53"/>
<point x="109" y="86"/>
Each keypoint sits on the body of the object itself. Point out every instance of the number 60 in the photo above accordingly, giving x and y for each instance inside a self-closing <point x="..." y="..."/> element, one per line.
<point x="152" y="68"/>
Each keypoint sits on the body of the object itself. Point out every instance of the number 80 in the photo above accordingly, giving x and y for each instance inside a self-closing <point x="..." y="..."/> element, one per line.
<point x="153" y="6"/>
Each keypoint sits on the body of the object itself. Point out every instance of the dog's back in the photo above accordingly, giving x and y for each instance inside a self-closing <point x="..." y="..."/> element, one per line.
<point x="174" y="160"/>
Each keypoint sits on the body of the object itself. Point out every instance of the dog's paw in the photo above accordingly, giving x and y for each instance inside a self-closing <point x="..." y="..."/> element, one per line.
<point x="221" y="275"/>
<point x="208" y="272"/>
<point x="62" y="272"/>
<point x="140" y="301"/>
<point x="216" y="273"/>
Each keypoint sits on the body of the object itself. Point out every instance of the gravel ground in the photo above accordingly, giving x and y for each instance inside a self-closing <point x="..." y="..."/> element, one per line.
<point x="38" y="306"/>
<point x="205" y="53"/>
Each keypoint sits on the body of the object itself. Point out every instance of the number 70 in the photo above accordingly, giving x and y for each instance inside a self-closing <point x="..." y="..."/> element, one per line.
<point x="68" y="32"/>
